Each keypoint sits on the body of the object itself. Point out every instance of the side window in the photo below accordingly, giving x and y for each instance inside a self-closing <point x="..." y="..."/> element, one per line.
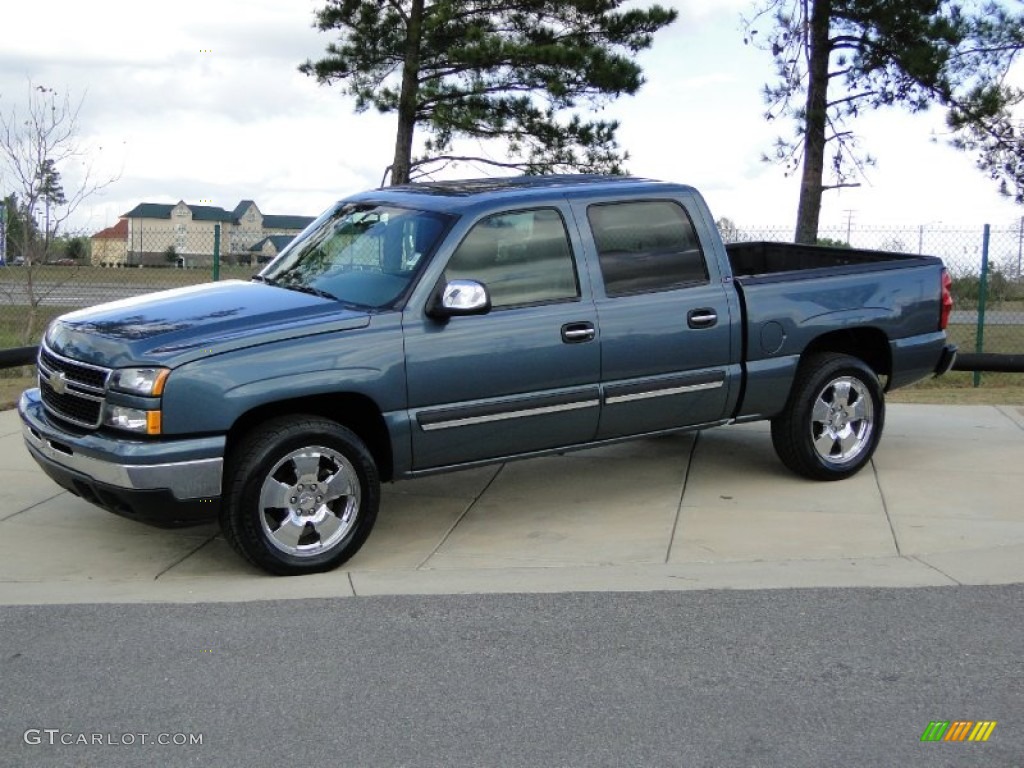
<point x="522" y="257"/>
<point x="646" y="246"/>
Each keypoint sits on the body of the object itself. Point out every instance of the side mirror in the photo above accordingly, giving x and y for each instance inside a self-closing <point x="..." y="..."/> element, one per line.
<point x="460" y="297"/>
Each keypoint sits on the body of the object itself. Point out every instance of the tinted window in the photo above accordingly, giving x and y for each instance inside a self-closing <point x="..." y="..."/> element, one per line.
<point x="645" y="247"/>
<point x="522" y="257"/>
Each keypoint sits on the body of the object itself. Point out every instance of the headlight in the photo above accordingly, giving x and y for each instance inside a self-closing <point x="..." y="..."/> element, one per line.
<point x="132" y="419"/>
<point x="140" y="381"/>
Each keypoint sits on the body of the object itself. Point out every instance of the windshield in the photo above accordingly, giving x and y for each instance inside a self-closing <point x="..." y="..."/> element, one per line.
<point x="360" y="253"/>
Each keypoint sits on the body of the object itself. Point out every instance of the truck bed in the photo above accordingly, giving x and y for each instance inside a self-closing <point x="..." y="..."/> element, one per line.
<point x="764" y="259"/>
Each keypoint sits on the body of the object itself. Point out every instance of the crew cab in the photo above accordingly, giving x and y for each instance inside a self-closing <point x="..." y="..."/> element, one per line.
<point x="432" y="327"/>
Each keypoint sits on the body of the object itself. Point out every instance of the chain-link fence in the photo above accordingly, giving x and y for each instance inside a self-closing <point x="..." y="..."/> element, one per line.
<point x="139" y="261"/>
<point x="988" y="284"/>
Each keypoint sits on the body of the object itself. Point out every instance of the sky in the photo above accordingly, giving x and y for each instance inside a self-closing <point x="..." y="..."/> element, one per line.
<point x="203" y="102"/>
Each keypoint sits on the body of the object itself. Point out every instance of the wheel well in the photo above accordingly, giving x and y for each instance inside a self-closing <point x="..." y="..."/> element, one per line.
<point x="356" y="412"/>
<point x="867" y="344"/>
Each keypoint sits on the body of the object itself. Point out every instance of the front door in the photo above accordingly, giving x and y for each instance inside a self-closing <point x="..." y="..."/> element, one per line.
<point x="524" y="376"/>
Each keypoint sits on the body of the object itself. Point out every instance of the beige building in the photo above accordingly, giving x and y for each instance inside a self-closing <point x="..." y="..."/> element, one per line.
<point x="160" y="233"/>
<point x="110" y="246"/>
<point x="268" y="248"/>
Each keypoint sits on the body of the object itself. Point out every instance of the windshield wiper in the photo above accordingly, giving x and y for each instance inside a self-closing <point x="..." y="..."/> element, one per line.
<point x="302" y="288"/>
<point x="293" y="286"/>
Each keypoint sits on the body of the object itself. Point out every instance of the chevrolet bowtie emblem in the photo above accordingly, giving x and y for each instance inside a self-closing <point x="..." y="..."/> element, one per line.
<point x="58" y="382"/>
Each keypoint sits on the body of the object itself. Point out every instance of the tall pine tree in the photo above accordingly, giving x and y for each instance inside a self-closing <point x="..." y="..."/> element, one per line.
<point x="491" y="69"/>
<point x="836" y="59"/>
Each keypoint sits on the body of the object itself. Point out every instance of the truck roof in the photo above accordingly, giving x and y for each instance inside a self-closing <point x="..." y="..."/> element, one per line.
<point x="460" y="195"/>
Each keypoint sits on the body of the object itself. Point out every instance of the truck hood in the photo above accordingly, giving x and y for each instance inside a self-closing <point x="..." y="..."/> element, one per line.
<point x="176" y="326"/>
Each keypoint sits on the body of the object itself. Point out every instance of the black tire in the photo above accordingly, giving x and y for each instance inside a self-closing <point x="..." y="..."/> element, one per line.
<point x="301" y="495"/>
<point x="833" y="420"/>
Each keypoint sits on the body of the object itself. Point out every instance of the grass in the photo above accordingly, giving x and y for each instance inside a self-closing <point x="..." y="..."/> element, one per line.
<point x="11" y="388"/>
<point x="1007" y="339"/>
<point x="12" y="324"/>
<point x="957" y="388"/>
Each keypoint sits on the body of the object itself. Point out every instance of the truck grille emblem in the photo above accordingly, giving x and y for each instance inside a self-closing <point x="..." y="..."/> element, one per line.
<point x="58" y="382"/>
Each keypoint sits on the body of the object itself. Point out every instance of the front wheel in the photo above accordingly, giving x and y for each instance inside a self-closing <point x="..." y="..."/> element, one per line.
<point x="301" y="496"/>
<point x="833" y="420"/>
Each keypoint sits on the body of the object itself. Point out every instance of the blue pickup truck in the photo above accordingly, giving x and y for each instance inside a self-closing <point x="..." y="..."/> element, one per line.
<point x="432" y="327"/>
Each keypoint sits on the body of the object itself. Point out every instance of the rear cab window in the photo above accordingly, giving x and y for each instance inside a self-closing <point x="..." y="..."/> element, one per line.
<point x="646" y="246"/>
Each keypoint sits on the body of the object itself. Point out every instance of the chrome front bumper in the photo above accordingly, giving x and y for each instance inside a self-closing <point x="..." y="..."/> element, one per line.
<point x="102" y="459"/>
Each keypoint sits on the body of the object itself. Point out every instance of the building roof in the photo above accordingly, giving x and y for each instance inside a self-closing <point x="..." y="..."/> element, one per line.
<point x="163" y="211"/>
<point x="117" y="232"/>
<point x="216" y="213"/>
<point x="287" y="222"/>
<point x="210" y="213"/>
<point x="242" y="207"/>
<point x="279" y="242"/>
<point x="150" y="211"/>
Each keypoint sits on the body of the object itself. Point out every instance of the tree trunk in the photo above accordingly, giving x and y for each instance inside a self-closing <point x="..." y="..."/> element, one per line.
<point x="402" y="164"/>
<point x="815" y="123"/>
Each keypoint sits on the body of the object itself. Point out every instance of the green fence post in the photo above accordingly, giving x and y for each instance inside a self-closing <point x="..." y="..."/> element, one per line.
<point x="216" y="252"/>
<point x="979" y="341"/>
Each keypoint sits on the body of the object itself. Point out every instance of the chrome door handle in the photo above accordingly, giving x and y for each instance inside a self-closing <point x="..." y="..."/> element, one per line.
<point x="701" y="318"/>
<point x="576" y="333"/>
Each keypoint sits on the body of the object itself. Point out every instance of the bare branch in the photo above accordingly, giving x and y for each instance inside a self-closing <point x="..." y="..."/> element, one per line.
<point x="38" y="140"/>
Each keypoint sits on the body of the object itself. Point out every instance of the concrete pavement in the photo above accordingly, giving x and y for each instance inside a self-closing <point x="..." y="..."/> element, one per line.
<point x="940" y="505"/>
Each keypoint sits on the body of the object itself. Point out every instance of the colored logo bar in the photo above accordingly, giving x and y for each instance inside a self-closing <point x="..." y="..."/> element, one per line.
<point x="959" y="730"/>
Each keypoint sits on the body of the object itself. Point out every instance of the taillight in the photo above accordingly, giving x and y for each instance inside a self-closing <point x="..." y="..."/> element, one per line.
<point x="947" y="300"/>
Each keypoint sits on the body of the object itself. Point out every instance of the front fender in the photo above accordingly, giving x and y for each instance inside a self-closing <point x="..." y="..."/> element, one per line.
<point x="208" y="395"/>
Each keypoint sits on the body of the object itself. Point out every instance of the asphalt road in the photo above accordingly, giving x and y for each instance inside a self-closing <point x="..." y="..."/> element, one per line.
<point x="994" y="317"/>
<point x="78" y="294"/>
<point x="718" y="678"/>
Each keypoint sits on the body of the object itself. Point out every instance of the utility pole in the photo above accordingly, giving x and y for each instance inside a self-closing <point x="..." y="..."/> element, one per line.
<point x="849" y="224"/>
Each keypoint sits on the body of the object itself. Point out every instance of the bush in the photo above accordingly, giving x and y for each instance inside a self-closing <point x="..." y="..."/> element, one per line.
<point x="832" y="243"/>
<point x="1000" y="288"/>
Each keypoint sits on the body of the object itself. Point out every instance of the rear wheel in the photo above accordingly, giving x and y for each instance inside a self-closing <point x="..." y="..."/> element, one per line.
<point x="301" y="496"/>
<point x="833" y="420"/>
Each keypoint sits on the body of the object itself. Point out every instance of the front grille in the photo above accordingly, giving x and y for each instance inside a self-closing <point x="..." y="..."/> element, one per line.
<point x="87" y="375"/>
<point x="84" y="388"/>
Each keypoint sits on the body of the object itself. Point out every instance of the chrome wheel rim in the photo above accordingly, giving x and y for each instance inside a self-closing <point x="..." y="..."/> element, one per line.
<point x="842" y="420"/>
<point x="309" y="501"/>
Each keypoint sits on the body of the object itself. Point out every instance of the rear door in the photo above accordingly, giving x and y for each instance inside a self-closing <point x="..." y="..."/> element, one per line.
<point x="524" y="376"/>
<point x="665" y="317"/>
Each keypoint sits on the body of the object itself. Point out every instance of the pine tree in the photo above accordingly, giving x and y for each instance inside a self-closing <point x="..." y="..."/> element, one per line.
<point x="490" y="69"/>
<point x="836" y="59"/>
